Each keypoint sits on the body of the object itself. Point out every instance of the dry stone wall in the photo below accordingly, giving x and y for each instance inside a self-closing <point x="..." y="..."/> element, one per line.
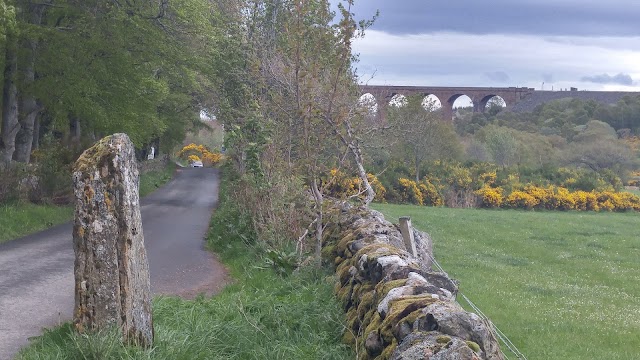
<point x="396" y="306"/>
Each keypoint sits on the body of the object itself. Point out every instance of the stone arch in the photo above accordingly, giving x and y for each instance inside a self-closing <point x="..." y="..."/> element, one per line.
<point x="368" y="102"/>
<point x="482" y="106"/>
<point x="437" y="103"/>
<point x="397" y="99"/>
<point x="452" y="99"/>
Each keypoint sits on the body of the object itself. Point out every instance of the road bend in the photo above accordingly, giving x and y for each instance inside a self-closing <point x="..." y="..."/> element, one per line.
<point x="36" y="271"/>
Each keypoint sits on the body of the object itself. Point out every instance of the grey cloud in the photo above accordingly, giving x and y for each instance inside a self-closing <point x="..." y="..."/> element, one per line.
<point x="561" y="17"/>
<point x="498" y="76"/>
<point x="621" y="79"/>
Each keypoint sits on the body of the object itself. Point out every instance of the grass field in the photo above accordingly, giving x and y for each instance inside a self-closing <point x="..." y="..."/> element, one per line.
<point x="561" y="285"/>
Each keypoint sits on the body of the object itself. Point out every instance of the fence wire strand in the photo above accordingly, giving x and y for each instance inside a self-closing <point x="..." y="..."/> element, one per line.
<point x="503" y="338"/>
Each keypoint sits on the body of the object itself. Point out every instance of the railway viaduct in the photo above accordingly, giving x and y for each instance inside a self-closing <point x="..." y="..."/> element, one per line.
<point x="518" y="99"/>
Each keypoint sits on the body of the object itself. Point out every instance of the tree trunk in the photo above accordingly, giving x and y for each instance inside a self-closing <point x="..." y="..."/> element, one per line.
<point x="24" y="139"/>
<point x="318" y="198"/>
<point x="417" y="167"/>
<point x="112" y="286"/>
<point x="29" y="106"/>
<point x="10" y="125"/>
<point x="36" y="134"/>
<point x="370" y="194"/>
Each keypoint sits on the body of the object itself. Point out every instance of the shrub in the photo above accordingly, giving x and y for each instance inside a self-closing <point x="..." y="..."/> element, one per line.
<point x="490" y="197"/>
<point x="409" y="192"/>
<point x="520" y="200"/>
<point x="430" y="195"/>
<point x="585" y="201"/>
<point x="563" y="199"/>
<point x="378" y="188"/>
<point x="193" y="152"/>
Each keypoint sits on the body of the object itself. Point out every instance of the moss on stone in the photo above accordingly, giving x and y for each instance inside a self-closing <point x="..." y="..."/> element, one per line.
<point x="383" y="288"/>
<point x="443" y="339"/>
<point x="366" y="303"/>
<point x="377" y="250"/>
<point x="374" y="325"/>
<point x="344" y="295"/>
<point x="386" y="353"/>
<point x="328" y="252"/>
<point x="473" y="346"/>
<point x="336" y="287"/>
<point x="353" y="322"/>
<point x="348" y="337"/>
<point x="399" y="310"/>
<point x="343" y="272"/>
<point x="341" y="248"/>
<point x="92" y="158"/>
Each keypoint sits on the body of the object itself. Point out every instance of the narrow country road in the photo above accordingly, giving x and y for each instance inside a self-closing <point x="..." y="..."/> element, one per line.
<point x="36" y="272"/>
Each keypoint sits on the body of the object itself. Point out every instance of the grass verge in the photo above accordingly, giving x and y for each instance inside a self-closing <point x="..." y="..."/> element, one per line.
<point x="20" y="219"/>
<point x="17" y="220"/>
<point x="561" y="285"/>
<point x="152" y="180"/>
<point x="261" y="315"/>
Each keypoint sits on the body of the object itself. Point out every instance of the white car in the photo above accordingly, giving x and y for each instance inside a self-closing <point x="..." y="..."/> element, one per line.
<point x="196" y="163"/>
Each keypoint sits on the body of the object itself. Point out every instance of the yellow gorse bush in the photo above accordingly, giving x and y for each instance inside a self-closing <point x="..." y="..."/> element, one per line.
<point x="521" y="200"/>
<point x="340" y="185"/>
<point x="490" y="197"/>
<point x="409" y="192"/>
<point x="193" y="152"/>
<point x="430" y="194"/>
<point x="484" y="186"/>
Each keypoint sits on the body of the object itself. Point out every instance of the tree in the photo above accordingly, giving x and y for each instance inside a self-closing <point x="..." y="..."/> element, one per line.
<point x="419" y="133"/>
<point x="78" y="69"/>
<point x="598" y="148"/>
<point x="502" y="145"/>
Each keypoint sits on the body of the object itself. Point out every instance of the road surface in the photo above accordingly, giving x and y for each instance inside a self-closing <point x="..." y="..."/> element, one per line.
<point x="36" y="271"/>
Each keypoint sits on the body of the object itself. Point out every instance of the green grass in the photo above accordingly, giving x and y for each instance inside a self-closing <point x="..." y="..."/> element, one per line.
<point x="20" y="219"/>
<point x="261" y="315"/>
<point x="152" y="180"/>
<point x="561" y="285"/>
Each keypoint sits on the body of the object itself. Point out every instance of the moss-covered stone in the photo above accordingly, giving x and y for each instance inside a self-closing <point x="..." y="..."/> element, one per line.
<point x="473" y="346"/>
<point x="328" y="252"/>
<point x="399" y="309"/>
<point x="348" y="337"/>
<point x="443" y="339"/>
<point x="377" y="250"/>
<point x="386" y="354"/>
<point x="383" y="288"/>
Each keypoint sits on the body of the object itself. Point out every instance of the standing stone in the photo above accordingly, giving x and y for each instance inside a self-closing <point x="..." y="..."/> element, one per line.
<point x="112" y="286"/>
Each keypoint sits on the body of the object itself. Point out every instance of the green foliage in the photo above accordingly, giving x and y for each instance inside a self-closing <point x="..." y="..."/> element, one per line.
<point x="553" y="276"/>
<point x="281" y="261"/>
<point x="418" y="133"/>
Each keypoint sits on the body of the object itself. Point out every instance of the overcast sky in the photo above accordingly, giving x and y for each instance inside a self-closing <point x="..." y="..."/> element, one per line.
<point x="591" y="45"/>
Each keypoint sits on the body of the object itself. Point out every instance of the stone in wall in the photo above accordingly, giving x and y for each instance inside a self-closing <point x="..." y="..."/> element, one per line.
<point x="112" y="287"/>
<point x="396" y="306"/>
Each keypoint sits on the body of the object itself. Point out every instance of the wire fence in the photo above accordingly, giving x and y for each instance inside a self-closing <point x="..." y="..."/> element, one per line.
<point x="504" y="339"/>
